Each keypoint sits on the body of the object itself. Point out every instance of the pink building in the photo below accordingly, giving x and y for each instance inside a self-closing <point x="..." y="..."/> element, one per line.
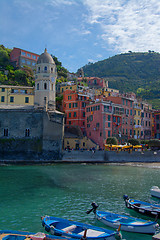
<point x="98" y="122"/>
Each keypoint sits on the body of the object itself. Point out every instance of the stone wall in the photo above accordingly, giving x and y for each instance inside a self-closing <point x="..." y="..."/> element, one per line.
<point x="44" y="141"/>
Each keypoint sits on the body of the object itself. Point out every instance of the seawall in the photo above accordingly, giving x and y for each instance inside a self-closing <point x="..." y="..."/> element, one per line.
<point x="110" y="156"/>
<point x="77" y="156"/>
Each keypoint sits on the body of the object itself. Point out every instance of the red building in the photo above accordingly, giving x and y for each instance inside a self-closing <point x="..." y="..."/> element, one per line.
<point x="20" y="58"/>
<point x="74" y="107"/>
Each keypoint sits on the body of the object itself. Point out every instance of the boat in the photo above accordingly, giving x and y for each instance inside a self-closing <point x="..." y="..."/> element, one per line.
<point x="73" y="229"/>
<point x="149" y="209"/>
<point x="126" y="223"/>
<point x="155" y="191"/>
<point x="21" y="235"/>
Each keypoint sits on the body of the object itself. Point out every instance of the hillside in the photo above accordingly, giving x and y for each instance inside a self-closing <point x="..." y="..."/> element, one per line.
<point x="131" y="72"/>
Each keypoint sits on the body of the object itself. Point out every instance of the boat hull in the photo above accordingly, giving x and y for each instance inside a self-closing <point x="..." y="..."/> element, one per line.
<point x="145" y="229"/>
<point x="155" y="192"/>
<point x="151" y="210"/>
<point x="76" y="230"/>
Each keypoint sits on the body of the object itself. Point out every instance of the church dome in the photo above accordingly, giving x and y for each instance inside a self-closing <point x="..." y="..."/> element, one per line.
<point x="45" y="58"/>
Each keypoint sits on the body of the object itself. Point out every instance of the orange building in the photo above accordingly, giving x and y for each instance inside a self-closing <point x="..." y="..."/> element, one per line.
<point x="20" y="58"/>
<point x="74" y="107"/>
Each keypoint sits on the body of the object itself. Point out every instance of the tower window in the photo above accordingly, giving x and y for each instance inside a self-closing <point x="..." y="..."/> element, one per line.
<point x="45" y="69"/>
<point x="6" y="132"/>
<point x="45" y="86"/>
<point x="51" y="70"/>
<point x="27" y="132"/>
<point x="38" y="69"/>
<point x="37" y="86"/>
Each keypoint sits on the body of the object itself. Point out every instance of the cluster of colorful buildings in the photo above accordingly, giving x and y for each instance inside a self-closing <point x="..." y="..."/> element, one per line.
<point x="101" y="112"/>
<point x="98" y="111"/>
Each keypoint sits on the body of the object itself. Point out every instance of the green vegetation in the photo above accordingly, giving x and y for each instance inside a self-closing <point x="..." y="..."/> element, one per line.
<point x="134" y="142"/>
<point x="11" y="76"/>
<point x="112" y="140"/>
<point x="23" y="76"/>
<point x="131" y="72"/>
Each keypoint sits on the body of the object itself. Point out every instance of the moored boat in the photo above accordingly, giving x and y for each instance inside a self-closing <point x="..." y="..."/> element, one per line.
<point x="155" y="191"/>
<point x="126" y="223"/>
<point x="73" y="229"/>
<point x="21" y="235"/>
<point x="149" y="209"/>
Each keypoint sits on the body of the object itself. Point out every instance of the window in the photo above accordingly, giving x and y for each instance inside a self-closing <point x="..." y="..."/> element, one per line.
<point x="69" y="115"/>
<point x="37" y="86"/>
<point x="83" y="144"/>
<point x="109" y="124"/>
<point x="45" y="86"/>
<point x="69" y="97"/>
<point x="45" y="69"/>
<point x="109" y="118"/>
<point x="11" y="99"/>
<point x="109" y="133"/>
<point x="69" y="105"/>
<point x="138" y="113"/>
<point x="23" y="60"/>
<point x="33" y="63"/>
<point x="2" y="98"/>
<point x="28" y="55"/>
<point x="12" y="90"/>
<point x="83" y="104"/>
<point x="23" y="53"/>
<point x="51" y="70"/>
<point x="83" y="114"/>
<point x="28" y="62"/>
<point x="6" y="132"/>
<point x="26" y="99"/>
<point x="69" y="122"/>
<point x="130" y="104"/>
<point x="3" y="89"/>
<point x="27" y="132"/>
<point x="33" y="56"/>
<point x="97" y="125"/>
<point x="75" y="114"/>
<point x="39" y="69"/>
<point x="130" y="132"/>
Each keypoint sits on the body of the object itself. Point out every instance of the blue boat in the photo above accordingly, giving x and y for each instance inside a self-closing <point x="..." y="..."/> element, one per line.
<point x="73" y="229"/>
<point x="149" y="209"/>
<point x="21" y="235"/>
<point x="126" y="223"/>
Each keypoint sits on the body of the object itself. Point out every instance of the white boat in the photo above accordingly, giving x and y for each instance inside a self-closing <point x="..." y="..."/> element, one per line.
<point x="125" y="223"/>
<point x="155" y="191"/>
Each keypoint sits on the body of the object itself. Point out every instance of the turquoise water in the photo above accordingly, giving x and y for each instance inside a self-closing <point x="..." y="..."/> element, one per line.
<point x="67" y="190"/>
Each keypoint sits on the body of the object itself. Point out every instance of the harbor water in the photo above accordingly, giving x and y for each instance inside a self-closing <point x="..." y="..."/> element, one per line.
<point x="67" y="191"/>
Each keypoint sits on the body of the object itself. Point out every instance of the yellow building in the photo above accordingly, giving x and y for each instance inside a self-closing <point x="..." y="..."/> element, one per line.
<point x="16" y="95"/>
<point x="74" y="139"/>
<point x="63" y="88"/>
<point x="137" y="120"/>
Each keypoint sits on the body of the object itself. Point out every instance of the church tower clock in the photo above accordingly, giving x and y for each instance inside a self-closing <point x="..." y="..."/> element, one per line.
<point x="45" y="80"/>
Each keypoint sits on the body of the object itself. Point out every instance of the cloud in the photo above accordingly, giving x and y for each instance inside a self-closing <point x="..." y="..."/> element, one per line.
<point x="127" y="25"/>
<point x="61" y="2"/>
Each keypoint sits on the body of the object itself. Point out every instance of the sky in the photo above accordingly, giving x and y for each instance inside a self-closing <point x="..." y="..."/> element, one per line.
<point x="80" y="31"/>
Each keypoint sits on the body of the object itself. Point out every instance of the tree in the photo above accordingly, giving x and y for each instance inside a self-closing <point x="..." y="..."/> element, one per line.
<point x="134" y="141"/>
<point x="112" y="140"/>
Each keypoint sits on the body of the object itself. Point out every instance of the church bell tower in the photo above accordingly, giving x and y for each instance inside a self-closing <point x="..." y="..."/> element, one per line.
<point x="45" y="80"/>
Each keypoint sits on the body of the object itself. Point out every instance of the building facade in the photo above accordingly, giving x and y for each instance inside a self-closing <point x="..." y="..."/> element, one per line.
<point x="20" y="58"/>
<point x="16" y="95"/>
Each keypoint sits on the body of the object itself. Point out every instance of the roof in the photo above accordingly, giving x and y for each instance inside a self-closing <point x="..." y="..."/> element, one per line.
<point x="45" y="58"/>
